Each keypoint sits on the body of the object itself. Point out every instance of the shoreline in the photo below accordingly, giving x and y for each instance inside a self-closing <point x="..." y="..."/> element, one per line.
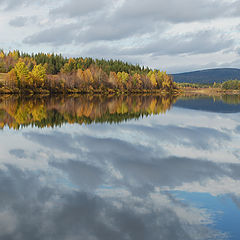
<point x="27" y="92"/>
<point x="209" y="91"/>
<point x="112" y="92"/>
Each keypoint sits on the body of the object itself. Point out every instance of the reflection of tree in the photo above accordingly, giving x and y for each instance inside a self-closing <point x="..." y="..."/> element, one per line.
<point x="17" y="112"/>
<point x="229" y="99"/>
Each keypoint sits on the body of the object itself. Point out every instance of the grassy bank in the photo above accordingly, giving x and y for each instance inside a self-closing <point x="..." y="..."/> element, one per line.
<point x="209" y="91"/>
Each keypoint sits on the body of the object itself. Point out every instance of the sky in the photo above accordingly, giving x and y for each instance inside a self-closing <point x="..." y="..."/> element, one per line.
<point x="176" y="36"/>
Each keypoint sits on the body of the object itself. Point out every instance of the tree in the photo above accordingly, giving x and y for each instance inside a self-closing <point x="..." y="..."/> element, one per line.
<point x="231" y="84"/>
<point x="11" y="79"/>
<point x="22" y="74"/>
<point x="38" y="76"/>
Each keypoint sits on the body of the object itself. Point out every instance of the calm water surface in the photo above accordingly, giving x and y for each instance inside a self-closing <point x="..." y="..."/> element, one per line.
<point x="120" y="168"/>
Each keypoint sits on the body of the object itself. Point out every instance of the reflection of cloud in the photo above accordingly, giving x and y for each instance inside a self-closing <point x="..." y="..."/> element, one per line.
<point x="127" y="173"/>
<point x="198" y="137"/>
<point x="55" y="141"/>
<point x="110" y="148"/>
<point x="169" y="171"/>
<point x="236" y="200"/>
<point x="82" y="174"/>
<point x="215" y="187"/>
<point x="35" y="211"/>
<point x="19" y="153"/>
<point x="136" y="164"/>
<point x="238" y="129"/>
<point x="7" y="223"/>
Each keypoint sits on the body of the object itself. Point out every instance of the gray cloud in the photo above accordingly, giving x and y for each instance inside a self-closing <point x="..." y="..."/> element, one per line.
<point x="133" y="30"/>
<point x="171" y="11"/>
<point x="13" y="4"/>
<point x="175" y="11"/>
<point x="106" y="30"/>
<point x="191" y="43"/>
<point x="78" y="8"/>
<point x="55" y="36"/>
<point x="202" y="42"/>
<point x="18" y="21"/>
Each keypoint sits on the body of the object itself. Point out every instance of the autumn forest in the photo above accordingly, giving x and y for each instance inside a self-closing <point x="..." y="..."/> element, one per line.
<point x="51" y="73"/>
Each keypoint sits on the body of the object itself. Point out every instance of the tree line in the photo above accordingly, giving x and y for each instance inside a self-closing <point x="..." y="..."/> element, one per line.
<point x="231" y="84"/>
<point x="54" y="63"/>
<point x="55" y="73"/>
<point x="227" y="85"/>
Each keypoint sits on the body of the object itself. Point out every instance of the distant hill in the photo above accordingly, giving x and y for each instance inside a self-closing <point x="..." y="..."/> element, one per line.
<point x="217" y="75"/>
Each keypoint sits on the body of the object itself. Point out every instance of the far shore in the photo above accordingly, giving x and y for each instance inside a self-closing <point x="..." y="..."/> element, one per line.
<point x="209" y="91"/>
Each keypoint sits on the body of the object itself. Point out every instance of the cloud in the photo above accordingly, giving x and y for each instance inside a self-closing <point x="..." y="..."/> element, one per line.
<point x="152" y="33"/>
<point x="18" y="21"/>
<point x="106" y="30"/>
<point x="203" y="42"/>
<point x="191" y="43"/>
<point x="171" y="11"/>
<point x="54" y="36"/>
<point x="7" y="5"/>
<point x="78" y="8"/>
<point x="175" y="11"/>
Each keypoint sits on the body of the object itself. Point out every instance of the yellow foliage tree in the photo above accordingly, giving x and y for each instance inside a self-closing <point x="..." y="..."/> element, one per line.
<point x="153" y="80"/>
<point x="11" y="79"/>
<point x="38" y="76"/>
<point x="137" y="81"/>
<point x="22" y="73"/>
<point x="88" y="76"/>
<point x="2" y="55"/>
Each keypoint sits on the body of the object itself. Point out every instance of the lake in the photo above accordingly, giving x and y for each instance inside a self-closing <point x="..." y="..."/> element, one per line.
<point x="127" y="167"/>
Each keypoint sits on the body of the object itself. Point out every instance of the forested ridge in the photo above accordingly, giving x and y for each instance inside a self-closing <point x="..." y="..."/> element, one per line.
<point x="52" y="73"/>
<point x="208" y="76"/>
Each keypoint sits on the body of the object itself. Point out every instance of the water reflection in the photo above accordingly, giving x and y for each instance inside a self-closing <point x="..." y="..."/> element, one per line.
<point x="54" y="111"/>
<point x="221" y="103"/>
<point x="173" y="176"/>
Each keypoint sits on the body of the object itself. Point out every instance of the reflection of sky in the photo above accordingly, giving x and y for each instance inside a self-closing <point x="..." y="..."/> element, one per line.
<point x="161" y="177"/>
<point x="224" y="211"/>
